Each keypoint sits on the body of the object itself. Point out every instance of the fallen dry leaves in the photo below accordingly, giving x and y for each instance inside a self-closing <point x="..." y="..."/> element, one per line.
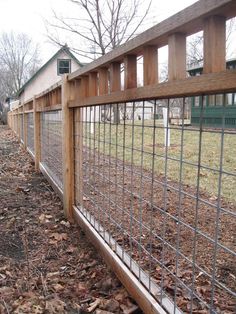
<point x="47" y="265"/>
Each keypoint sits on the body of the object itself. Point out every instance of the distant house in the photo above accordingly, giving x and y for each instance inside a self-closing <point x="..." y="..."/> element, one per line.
<point x="211" y="110"/>
<point x="63" y="61"/>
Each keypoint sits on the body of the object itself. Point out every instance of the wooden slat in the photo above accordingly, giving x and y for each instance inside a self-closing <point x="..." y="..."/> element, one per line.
<point x="130" y="68"/>
<point x="103" y="81"/>
<point x="188" y="21"/>
<point x="93" y="84"/>
<point x="83" y="87"/>
<point x="67" y="150"/>
<point x="37" y="136"/>
<point x="25" y="124"/>
<point x="18" y="124"/>
<point x="198" y="85"/>
<point x="115" y="78"/>
<point x="177" y="57"/>
<point x="150" y="65"/>
<point x="214" y="44"/>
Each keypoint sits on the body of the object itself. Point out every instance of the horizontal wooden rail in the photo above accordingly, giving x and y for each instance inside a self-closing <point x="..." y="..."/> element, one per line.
<point x="49" y="108"/>
<point x="50" y="89"/>
<point x="199" y="85"/>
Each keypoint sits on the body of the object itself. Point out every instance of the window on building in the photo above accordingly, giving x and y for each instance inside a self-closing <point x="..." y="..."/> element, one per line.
<point x="211" y="100"/>
<point x="196" y="101"/>
<point x="219" y="100"/>
<point x="63" y="66"/>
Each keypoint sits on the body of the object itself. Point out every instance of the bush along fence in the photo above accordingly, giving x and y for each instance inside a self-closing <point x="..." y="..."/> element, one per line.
<point x="158" y="200"/>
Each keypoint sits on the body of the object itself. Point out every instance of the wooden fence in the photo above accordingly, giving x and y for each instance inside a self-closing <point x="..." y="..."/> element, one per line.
<point x="65" y="131"/>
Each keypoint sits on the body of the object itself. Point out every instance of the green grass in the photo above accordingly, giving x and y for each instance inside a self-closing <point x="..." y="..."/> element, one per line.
<point x="210" y="153"/>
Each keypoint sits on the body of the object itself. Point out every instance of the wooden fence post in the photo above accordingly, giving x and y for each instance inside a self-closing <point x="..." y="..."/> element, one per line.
<point x="25" y="124"/>
<point x="18" y="124"/>
<point x="37" y="135"/>
<point x="67" y="150"/>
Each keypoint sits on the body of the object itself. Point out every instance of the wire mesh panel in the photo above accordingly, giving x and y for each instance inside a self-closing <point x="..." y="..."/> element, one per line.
<point x="21" y="122"/>
<point x="51" y="144"/>
<point x="30" y="132"/>
<point x="163" y="192"/>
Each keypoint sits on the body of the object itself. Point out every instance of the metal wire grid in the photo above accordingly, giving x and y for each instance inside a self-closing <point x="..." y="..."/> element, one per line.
<point x="51" y="144"/>
<point x="172" y="208"/>
<point x="21" y="122"/>
<point x="30" y="132"/>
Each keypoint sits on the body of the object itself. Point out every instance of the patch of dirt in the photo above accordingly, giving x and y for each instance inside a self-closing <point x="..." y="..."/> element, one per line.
<point x="11" y="245"/>
<point x="47" y="265"/>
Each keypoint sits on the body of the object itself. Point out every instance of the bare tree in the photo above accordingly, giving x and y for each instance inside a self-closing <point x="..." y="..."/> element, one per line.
<point x="99" y="25"/>
<point x="195" y="45"/>
<point x="19" y="60"/>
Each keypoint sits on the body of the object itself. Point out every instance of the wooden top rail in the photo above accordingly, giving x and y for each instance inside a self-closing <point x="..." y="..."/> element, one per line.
<point x="29" y="101"/>
<point x="50" y="89"/>
<point x="199" y="85"/>
<point x="187" y="21"/>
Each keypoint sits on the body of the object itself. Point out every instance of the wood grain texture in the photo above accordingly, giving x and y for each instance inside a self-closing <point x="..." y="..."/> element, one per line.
<point x="150" y="65"/>
<point x="103" y="81"/>
<point x="214" y="44"/>
<point x="177" y="57"/>
<point x="130" y="68"/>
<point x="25" y="124"/>
<point x="93" y="84"/>
<point x="37" y="135"/>
<point x="67" y="150"/>
<point x="115" y="78"/>
<point x="198" y="85"/>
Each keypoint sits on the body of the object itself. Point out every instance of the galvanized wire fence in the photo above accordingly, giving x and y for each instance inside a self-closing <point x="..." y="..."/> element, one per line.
<point x="30" y="132"/>
<point x="162" y="194"/>
<point x="51" y="145"/>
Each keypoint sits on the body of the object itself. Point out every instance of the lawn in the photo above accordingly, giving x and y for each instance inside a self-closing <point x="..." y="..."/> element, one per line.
<point x="140" y="146"/>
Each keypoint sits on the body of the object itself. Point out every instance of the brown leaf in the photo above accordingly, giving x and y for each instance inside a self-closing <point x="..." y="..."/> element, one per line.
<point x="55" y="306"/>
<point x="59" y="236"/>
<point x="94" y="305"/>
<point x="71" y="249"/>
<point x="58" y="287"/>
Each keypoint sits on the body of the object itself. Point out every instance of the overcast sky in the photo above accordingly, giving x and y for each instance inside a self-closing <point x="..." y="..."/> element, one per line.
<point x="27" y="16"/>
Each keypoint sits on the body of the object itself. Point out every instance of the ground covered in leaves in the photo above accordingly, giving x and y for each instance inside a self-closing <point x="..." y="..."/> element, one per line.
<point x="46" y="264"/>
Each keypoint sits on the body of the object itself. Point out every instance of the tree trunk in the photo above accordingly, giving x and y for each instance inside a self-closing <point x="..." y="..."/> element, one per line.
<point x="116" y="114"/>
